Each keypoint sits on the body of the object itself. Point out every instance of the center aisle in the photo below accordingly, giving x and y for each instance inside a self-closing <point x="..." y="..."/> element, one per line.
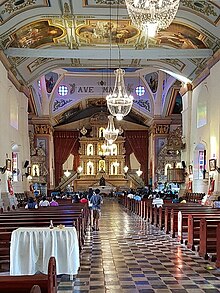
<point x="129" y="255"/>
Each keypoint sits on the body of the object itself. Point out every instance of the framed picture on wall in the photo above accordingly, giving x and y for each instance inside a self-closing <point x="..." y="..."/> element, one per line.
<point x="8" y="164"/>
<point x="212" y="164"/>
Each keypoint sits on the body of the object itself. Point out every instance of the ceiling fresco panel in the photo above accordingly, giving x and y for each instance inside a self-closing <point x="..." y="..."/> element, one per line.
<point x="36" y="34"/>
<point x="180" y="36"/>
<point x="101" y="32"/>
<point x="11" y="8"/>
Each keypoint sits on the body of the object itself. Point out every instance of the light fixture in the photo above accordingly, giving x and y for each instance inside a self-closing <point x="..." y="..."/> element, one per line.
<point x="125" y="169"/>
<point x="3" y="169"/>
<point x="139" y="172"/>
<point x="152" y="15"/>
<point x="119" y="102"/>
<point x="67" y="173"/>
<point x="83" y="130"/>
<point x="105" y="150"/>
<point x="79" y="169"/>
<point x="110" y="133"/>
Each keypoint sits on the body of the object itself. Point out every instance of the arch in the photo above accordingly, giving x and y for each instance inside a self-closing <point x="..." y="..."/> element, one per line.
<point x="199" y="168"/>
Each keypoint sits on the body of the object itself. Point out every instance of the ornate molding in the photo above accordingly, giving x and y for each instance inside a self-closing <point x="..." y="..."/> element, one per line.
<point x="174" y="140"/>
<point x="161" y="129"/>
<point x="42" y="129"/>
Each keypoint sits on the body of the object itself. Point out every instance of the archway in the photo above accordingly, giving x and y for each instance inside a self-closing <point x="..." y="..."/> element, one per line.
<point x="199" y="170"/>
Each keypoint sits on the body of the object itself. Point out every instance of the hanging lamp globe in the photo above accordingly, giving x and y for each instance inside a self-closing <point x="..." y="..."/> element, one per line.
<point x="110" y="133"/>
<point x="119" y="102"/>
<point x="152" y="15"/>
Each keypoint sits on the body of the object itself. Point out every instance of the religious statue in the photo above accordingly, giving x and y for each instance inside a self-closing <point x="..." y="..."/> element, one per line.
<point x="102" y="181"/>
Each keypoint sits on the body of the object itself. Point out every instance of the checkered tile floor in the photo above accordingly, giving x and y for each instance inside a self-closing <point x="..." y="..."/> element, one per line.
<point x="128" y="255"/>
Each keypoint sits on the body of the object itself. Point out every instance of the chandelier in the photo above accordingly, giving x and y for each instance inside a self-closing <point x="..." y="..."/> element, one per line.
<point x="110" y="133"/>
<point x="119" y="102"/>
<point x="152" y="15"/>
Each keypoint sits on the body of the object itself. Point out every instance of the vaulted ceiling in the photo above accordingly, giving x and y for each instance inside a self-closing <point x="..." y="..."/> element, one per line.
<point x="77" y="50"/>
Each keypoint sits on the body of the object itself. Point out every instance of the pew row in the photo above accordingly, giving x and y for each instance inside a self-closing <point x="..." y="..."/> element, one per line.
<point x="26" y="283"/>
<point x="65" y="215"/>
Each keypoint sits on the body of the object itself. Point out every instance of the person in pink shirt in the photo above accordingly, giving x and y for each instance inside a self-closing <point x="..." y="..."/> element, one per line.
<point x="53" y="202"/>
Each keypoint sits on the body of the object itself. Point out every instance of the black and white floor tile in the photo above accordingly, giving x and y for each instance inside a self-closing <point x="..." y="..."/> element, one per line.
<point x="128" y="255"/>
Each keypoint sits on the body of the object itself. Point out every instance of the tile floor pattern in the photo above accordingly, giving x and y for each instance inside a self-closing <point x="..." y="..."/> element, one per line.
<point x="128" y="255"/>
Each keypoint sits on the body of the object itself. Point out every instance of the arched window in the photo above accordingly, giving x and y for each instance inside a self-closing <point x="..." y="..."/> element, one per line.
<point x="101" y="132"/>
<point x="90" y="149"/>
<point x="114" y="150"/>
<point x="168" y="166"/>
<point x="114" y="168"/>
<point x="90" y="168"/>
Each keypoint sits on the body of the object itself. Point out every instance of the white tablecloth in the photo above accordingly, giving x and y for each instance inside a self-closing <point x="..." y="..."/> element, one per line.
<point x="31" y="249"/>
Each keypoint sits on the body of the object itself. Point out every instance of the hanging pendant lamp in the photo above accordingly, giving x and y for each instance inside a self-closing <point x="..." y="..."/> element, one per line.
<point x="110" y="133"/>
<point x="119" y="102"/>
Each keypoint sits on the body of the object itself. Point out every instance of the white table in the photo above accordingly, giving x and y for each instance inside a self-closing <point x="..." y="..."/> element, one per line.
<point x="31" y="249"/>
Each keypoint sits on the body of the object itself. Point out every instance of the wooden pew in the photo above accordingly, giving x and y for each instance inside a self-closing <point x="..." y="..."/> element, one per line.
<point x="218" y="247"/>
<point x="185" y="211"/>
<point x="35" y="289"/>
<point x="25" y="283"/>
<point x="41" y="217"/>
<point x="208" y="237"/>
<point x="194" y="228"/>
<point x="184" y="224"/>
<point x="194" y="196"/>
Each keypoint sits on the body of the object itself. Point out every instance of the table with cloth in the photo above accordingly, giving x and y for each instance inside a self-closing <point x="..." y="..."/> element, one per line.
<point x="31" y="249"/>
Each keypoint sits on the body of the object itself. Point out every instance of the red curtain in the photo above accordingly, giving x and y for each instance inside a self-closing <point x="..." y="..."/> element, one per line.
<point x="75" y="152"/>
<point x="128" y="152"/>
<point x="138" y="141"/>
<point x="64" y="145"/>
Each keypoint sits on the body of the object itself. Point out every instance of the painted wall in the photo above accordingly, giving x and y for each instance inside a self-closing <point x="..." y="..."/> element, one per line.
<point x="13" y="131"/>
<point x="201" y="127"/>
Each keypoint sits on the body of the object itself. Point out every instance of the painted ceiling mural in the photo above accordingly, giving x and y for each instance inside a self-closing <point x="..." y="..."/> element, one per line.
<point x="35" y="35"/>
<point x="87" y="24"/>
<point x="103" y="32"/>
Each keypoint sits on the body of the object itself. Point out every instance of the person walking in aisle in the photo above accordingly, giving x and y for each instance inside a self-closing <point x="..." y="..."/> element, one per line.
<point x="96" y="201"/>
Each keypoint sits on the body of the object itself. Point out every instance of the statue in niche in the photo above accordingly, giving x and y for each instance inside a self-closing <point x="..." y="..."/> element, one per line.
<point x="102" y="181"/>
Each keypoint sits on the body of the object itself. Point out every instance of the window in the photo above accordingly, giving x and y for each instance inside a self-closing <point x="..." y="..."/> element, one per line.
<point x="140" y="90"/>
<point x="90" y="150"/>
<point x="62" y="90"/>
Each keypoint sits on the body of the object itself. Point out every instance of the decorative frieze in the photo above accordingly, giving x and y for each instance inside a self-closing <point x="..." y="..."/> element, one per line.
<point x="42" y="129"/>
<point x="161" y="129"/>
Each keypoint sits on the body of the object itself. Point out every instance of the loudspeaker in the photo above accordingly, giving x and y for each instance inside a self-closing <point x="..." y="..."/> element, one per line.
<point x="183" y="164"/>
<point x="26" y="163"/>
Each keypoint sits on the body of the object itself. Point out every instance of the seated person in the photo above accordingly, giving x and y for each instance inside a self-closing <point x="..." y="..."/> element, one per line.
<point x="157" y="202"/>
<point x="83" y="200"/>
<point x="137" y="197"/>
<point x="31" y="204"/>
<point x="175" y="199"/>
<point x="53" y="202"/>
<point x="75" y="198"/>
<point x="44" y="202"/>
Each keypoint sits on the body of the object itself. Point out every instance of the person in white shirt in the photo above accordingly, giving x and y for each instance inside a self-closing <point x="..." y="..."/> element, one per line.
<point x="157" y="202"/>
<point x="44" y="202"/>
